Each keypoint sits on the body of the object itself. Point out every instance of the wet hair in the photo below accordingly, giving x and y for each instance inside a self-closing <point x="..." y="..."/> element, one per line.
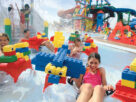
<point x="4" y="35"/>
<point x="26" y="30"/>
<point x="27" y="6"/>
<point x="95" y="55"/>
<point x="76" y="32"/>
<point x="77" y="40"/>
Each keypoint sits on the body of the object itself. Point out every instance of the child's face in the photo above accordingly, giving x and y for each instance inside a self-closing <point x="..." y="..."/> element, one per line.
<point x="27" y="34"/>
<point x="93" y="63"/>
<point x="77" y="43"/>
<point x="3" y="41"/>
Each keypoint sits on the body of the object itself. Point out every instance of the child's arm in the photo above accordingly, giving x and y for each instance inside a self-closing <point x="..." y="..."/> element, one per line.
<point x="104" y="82"/>
<point x="18" y="10"/>
<point x="48" y="45"/>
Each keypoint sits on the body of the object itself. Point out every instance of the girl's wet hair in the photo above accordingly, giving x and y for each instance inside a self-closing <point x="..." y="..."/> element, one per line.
<point x="4" y="35"/>
<point x="77" y="40"/>
<point x="95" y="55"/>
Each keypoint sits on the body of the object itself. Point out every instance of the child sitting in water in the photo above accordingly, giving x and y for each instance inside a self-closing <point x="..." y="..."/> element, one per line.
<point x="76" y="48"/>
<point x="4" y="40"/>
<point x="94" y="81"/>
<point x="44" y="43"/>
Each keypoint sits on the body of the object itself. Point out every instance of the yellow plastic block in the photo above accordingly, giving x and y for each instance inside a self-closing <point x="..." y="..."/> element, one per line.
<point x="26" y="58"/>
<point x="58" y="39"/>
<point x="93" y="45"/>
<point x="49" y="69"/>
<point x="21" y="45"/>
<point x="45" y="24"/>
<point x="87" y="47"/>
<point x="133" y="65"/>
<point x="8" y="48"/>
<point x="39" y="36"/>
<point x="19" y="55"/>
<point x="129" y="34"/>
<point x="7" y="21"/>
<point x="61" y="71"/>
<point x="128" y="83"/>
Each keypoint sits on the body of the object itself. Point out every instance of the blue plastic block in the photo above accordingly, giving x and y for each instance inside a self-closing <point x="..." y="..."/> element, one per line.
<point x="87" y="44"/>
<point x="75" y="67"/>
<point x="41" y="60"/>
<point x="129" y="75"/>
<point x="117" y="38"/>
<point x="54" y="79"/>
<point x="21" y="50"/>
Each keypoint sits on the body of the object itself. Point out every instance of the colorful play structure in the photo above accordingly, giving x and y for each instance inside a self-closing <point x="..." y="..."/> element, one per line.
<point x="58" y="66"/>
<point x="15" y="59"/>
<point x="126" y="87"/>
<point x="89" y="16"/>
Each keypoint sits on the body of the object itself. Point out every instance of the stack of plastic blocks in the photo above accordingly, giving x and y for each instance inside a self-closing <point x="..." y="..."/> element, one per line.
<point x="126" y="87"/>
<point x="58" y="40"/>
<point x="15" y="63"/>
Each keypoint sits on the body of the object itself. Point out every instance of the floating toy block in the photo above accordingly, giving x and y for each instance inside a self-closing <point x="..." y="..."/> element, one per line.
<point x="129" y="75"/>
<point x="87" y="44"/>
<point x="8" y="48"/>
<point x="125" y="94"/>
<point x="35" y="42"/>
<point x="21" y="50"/>
<point x="53" y="79"/>
<point x="7" y="59"/>
<point x="58" y="40"/>
<point x="15" y="68"/>
<point x="127" y="83"/>
<point x="15" y="63"/>
<point x="10" y="53"/>
<point x="58" y="65"/>
<point x="133" y="65"/>
<point x="21" y="45"/>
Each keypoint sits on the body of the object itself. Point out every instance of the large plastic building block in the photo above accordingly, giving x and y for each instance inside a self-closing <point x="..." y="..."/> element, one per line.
<point x="54" y="79"/>
<point x="58" y="65"/>
<point x="133" y="65"/>
<point x="129" y="75"/>
<point x="7" y="59"/>
<point x="127" y="83"/>
<point x="21" y="45"/>
<point x="125" y="94"/>
<point x="15" y="68"/>
<point x="36" y="41"/>
<point x="21" y="50"/>
<point x="8" y="48"/>
<point x="58" y="40"/>
<point x="10" y="53"/>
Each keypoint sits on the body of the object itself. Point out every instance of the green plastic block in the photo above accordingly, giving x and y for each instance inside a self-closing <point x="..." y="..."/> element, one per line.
<point x="27" y="53"/>
<point x="7" y="59"/>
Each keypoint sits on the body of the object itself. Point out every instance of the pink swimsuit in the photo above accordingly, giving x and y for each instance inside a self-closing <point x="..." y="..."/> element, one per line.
<point x="93" y="79"/>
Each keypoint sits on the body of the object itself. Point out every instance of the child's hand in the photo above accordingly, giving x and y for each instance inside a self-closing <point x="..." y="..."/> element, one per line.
<point x="109" y="87"/>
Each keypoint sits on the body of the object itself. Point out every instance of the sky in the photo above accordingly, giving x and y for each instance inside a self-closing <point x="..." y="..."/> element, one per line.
<point x="48" y="8"/>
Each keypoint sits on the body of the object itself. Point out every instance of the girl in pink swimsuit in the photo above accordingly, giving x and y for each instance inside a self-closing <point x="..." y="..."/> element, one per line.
<point x="94" y="81"/>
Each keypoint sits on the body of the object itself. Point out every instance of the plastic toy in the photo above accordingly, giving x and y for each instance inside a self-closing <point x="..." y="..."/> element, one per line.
<point x="58" y="66"/>
<point x="36" y="41"/>
<point x="58" y="40"/>
<point x="90" y="46"/>
<point x="15" y="63"/>
<point x="126" y="88"/>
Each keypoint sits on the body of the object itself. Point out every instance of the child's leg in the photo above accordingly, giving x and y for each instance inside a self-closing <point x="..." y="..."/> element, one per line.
<point x="86" y="91"/>
<point x="98" y="94"/>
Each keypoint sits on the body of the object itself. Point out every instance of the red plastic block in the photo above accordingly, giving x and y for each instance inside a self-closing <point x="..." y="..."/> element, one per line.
<point x="10" y="53"/>
<point x="16" y="68"/>
<point x="125" y="94"/>
<point x="62" y="80"/>
<point x="91" y="50"/>
<point x="123" y="38"/>
<point x="34" y="42"/>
